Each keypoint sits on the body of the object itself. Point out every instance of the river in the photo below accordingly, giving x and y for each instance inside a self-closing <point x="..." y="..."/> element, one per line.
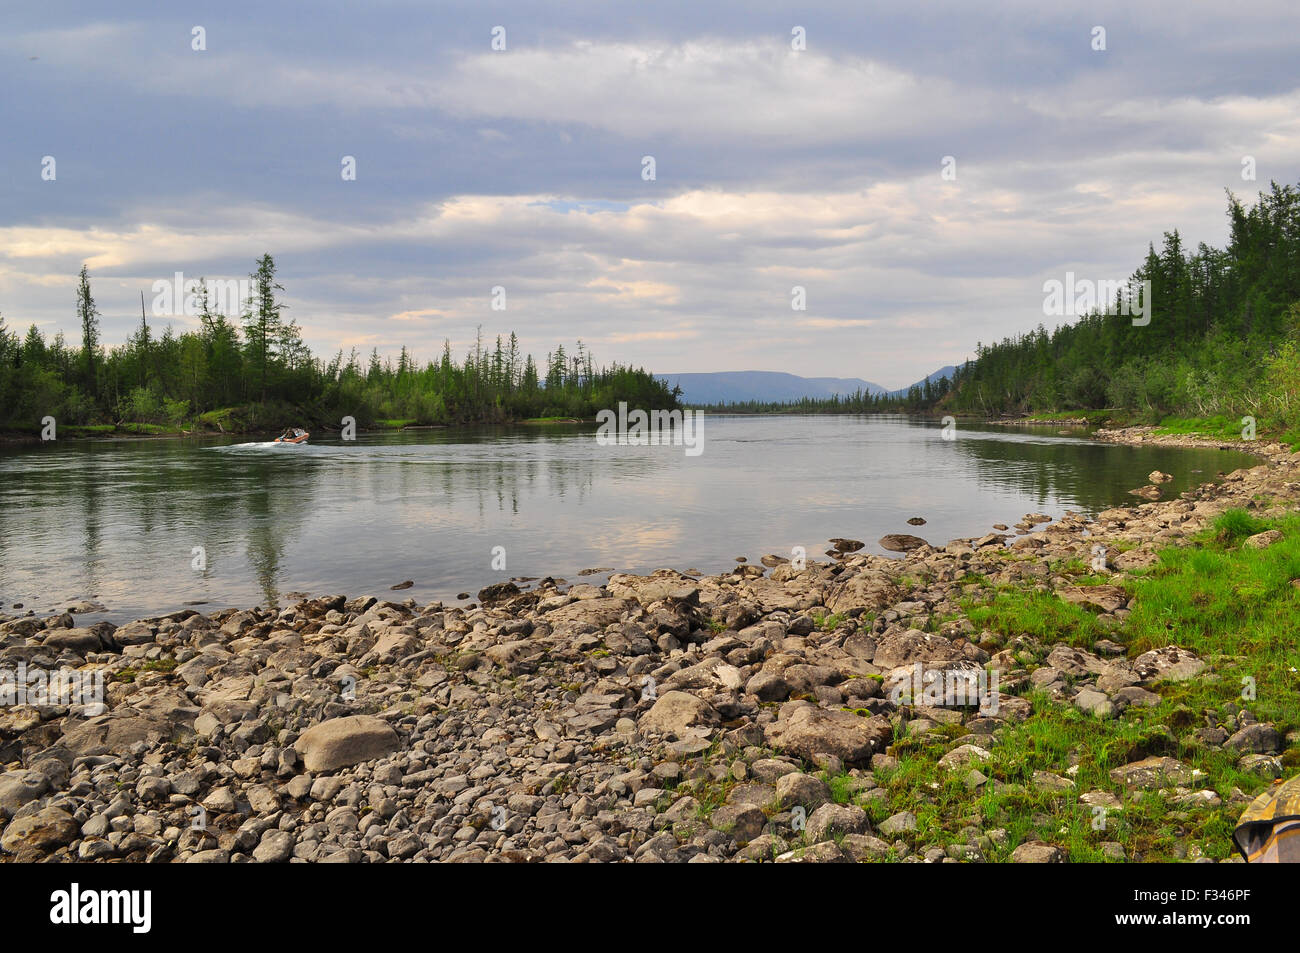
<point x="147" y="526"/>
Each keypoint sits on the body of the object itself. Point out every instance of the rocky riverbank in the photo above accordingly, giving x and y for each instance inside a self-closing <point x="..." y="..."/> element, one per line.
<point x="665" y="718"/>
<point x="1149" y="436"/>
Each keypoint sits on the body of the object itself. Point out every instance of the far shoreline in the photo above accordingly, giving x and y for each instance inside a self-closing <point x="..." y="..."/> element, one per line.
<point x="17" y="438"/>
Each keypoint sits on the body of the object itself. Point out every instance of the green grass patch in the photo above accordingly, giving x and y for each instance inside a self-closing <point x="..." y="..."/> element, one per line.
<point x="1218" y="427"/>
<point x="829" y="622"/>
<point x="1234" y="606"/>
<point x="1043" y="615"/>
<point x="1235" y="525"/>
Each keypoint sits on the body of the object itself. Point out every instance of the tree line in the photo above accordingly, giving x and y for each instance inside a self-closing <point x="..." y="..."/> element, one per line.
<point x="252" y="370"/>
<point x="1221" y="338"/>
<point x="918" y="397"/>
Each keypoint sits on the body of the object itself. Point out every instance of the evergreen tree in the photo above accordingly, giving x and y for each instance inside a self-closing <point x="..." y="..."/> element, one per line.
<point x="263" y="327"/>
<point x="88" y="315"/>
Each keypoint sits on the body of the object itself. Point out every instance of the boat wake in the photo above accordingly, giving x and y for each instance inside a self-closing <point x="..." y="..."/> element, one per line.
<point x="262" y="445"/>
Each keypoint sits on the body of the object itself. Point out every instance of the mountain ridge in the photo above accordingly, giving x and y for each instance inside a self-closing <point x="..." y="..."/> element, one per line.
<point x="717" y="387"/>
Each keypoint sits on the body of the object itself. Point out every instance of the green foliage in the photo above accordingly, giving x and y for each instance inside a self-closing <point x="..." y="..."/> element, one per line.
<point x="1043" y="615"/>
<point x="1216" y="346"/>
<point x="1234" y="525"/>
<point x="89" y="317"/>
<point x="1219" y="426"/>
<point x="1283" y="380"/>
<point x="219" y="379"/>
<point x="1234" y="606"/>
<point x="1092" y="417"/>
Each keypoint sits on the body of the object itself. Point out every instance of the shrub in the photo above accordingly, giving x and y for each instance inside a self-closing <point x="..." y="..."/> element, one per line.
<point x="1234" y="525"/>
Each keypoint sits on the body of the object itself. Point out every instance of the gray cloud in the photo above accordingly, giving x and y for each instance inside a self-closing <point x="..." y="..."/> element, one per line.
<point x="522" y="169"/>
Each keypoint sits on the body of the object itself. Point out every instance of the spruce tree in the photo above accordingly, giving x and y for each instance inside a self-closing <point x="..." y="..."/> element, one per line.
<point x="89" y="317"/>
<point x="263" y="325"/>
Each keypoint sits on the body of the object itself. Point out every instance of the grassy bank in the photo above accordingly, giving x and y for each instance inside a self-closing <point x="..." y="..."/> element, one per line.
<point x="1236" y="607"/>
<point x="1094" y="418"/>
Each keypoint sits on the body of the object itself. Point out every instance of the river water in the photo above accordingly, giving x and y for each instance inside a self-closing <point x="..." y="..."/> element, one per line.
<point x="147" y="526"/>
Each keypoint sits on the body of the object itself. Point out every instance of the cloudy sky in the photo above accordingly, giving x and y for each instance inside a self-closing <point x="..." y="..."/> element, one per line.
<point x="523" y="168"/>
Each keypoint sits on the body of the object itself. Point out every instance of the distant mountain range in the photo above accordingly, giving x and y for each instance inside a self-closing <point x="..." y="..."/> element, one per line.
<point x="946" y="371"/>
<point x="774" y="386"/>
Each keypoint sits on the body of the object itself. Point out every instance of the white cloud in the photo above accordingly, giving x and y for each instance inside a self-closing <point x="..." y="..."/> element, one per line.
<point x="776" y="168"/>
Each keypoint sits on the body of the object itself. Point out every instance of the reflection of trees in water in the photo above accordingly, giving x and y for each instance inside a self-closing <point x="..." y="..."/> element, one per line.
<point x="71" y="492"/>
<point x="278" y="498"/>
<point x="501" y="480"/>
<point x="106" y="502"/>
<point x="1045" y="471"/>
<point x="93" y="537"/>
<point x="265" y="548"/>
<point x="1094" y="476"/>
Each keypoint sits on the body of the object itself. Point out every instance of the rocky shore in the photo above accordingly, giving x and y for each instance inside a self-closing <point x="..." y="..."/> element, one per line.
<point x="665" y="718"/>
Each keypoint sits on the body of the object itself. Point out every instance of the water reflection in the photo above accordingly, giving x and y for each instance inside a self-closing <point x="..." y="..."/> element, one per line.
<point x="119" y="520"/>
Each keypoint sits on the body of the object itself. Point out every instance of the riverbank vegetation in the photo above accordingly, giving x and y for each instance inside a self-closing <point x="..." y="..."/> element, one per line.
<point x="916" y="399"/>
<point x="1235" y="606"/>
<point x="1221" y="338"/>
<point x="1223" y="342"/>
<point x="252" y="371"/>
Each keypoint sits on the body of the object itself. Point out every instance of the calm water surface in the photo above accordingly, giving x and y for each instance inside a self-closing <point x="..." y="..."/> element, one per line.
<point x="118" y="521"/>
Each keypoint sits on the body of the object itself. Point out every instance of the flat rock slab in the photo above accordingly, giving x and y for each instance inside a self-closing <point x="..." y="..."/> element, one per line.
<point x="832" y="819"/>
<point x="1260" y="738"/>
<point x="867" y="589"/>
<point x="898" y="823"/>
<point x="827" y="852"/>
<point x="1135" y="559"/>
<point x="1105" y="598"/>
<point x="1036" y="852"/>
<point x="80" y="641"/>
<point x="115" y="731"/>
<point x="1171" y="663"/>
<point x="907" y="648"/>
<point x="901" y="542"/>
<point x="1094" y="703"/>
<point x="19" y="787"/>
<point x="342" y="742"/>
<point x="1075" y="662"/>
<point x="41" y="832"/>
<point x="1151" y="773"/>
<point x="599" y="612"/>
<point x="1263" y="540"/>
<point x="806" y="731"/>
<point x="964" y="755"/>
<point x="679" y="713"/>
<point x="744" y="822"/>
<point x="648" y="590"/>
